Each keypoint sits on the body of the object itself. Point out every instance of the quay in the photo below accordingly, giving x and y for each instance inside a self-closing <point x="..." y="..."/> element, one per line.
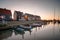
<point x="11" y="24"/>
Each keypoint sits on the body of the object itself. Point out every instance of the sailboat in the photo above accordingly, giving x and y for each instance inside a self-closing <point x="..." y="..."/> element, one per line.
<point x="58" y="20"/>
<point x="54" y="21"/>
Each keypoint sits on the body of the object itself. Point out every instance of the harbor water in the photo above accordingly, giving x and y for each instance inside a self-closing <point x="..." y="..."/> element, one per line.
<point x="48" y="31"/>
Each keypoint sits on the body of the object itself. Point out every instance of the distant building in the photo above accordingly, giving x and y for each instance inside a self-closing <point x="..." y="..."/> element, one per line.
<point x="21" y="16"/>
<point x="32" y="17"/>
<point x="5" y="14"/>
<point x="37" y="18"/>
<point x="29" y="16"/>
<point x="18" y="15"/>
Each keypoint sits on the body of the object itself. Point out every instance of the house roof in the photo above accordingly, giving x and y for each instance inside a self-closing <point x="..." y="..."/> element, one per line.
<point x="5" y="11"/>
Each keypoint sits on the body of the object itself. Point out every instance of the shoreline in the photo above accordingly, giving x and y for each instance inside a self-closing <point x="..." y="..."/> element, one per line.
<point x="10" y="24"/>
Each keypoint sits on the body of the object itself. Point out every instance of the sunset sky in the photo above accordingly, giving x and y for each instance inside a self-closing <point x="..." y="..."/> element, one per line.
<point x="43" y="8"/>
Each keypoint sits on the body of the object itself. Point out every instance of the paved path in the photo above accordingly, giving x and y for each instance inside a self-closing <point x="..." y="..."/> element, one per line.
<point x="11" y="23"/>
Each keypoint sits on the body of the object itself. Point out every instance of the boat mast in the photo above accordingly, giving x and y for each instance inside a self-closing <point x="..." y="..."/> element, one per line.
<point x="54" y="13"/>
<point x="54" y="17"/>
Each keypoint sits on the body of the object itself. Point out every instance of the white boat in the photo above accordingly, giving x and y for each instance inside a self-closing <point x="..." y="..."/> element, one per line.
<point x="36" y="24"/>
<point x="19" y="29"/>
<point x="25" y="27"/>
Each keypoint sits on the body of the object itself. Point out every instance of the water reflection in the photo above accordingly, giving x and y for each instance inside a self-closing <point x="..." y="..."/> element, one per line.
<point x="21" y="33"/>
<point x="59" y="27"/>
<point x="46" y="31"/>
<point x="5" y="34"/>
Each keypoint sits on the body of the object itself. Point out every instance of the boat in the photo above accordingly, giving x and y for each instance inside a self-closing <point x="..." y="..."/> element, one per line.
<point x="36" y="24"/>
<point x="58" y="21"/>
<point x="25" y="27"/>
<point x="19" y="29"/>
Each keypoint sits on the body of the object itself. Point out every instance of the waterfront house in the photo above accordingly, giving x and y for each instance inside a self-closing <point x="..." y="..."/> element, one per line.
<point x="29" y="16"/>
<point x="5" y="14"/>
<point x="17" y="15"/>
<point x="37" y="18"/>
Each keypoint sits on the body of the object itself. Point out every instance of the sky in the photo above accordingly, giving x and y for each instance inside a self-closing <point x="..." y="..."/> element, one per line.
<point x="43" y="8"/>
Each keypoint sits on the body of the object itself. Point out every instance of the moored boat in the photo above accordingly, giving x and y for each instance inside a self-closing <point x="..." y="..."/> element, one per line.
<point x="58" y="21"/>
<point x="19" y="29"/>
<point x="36" y="24"/>
<point x="26" y="27"/>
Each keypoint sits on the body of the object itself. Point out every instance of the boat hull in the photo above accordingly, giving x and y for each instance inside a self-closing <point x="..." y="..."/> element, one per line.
<point x="25" y="28"/>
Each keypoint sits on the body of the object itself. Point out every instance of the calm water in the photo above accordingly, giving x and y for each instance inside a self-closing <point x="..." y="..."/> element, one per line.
<point x="48" y="31"/>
